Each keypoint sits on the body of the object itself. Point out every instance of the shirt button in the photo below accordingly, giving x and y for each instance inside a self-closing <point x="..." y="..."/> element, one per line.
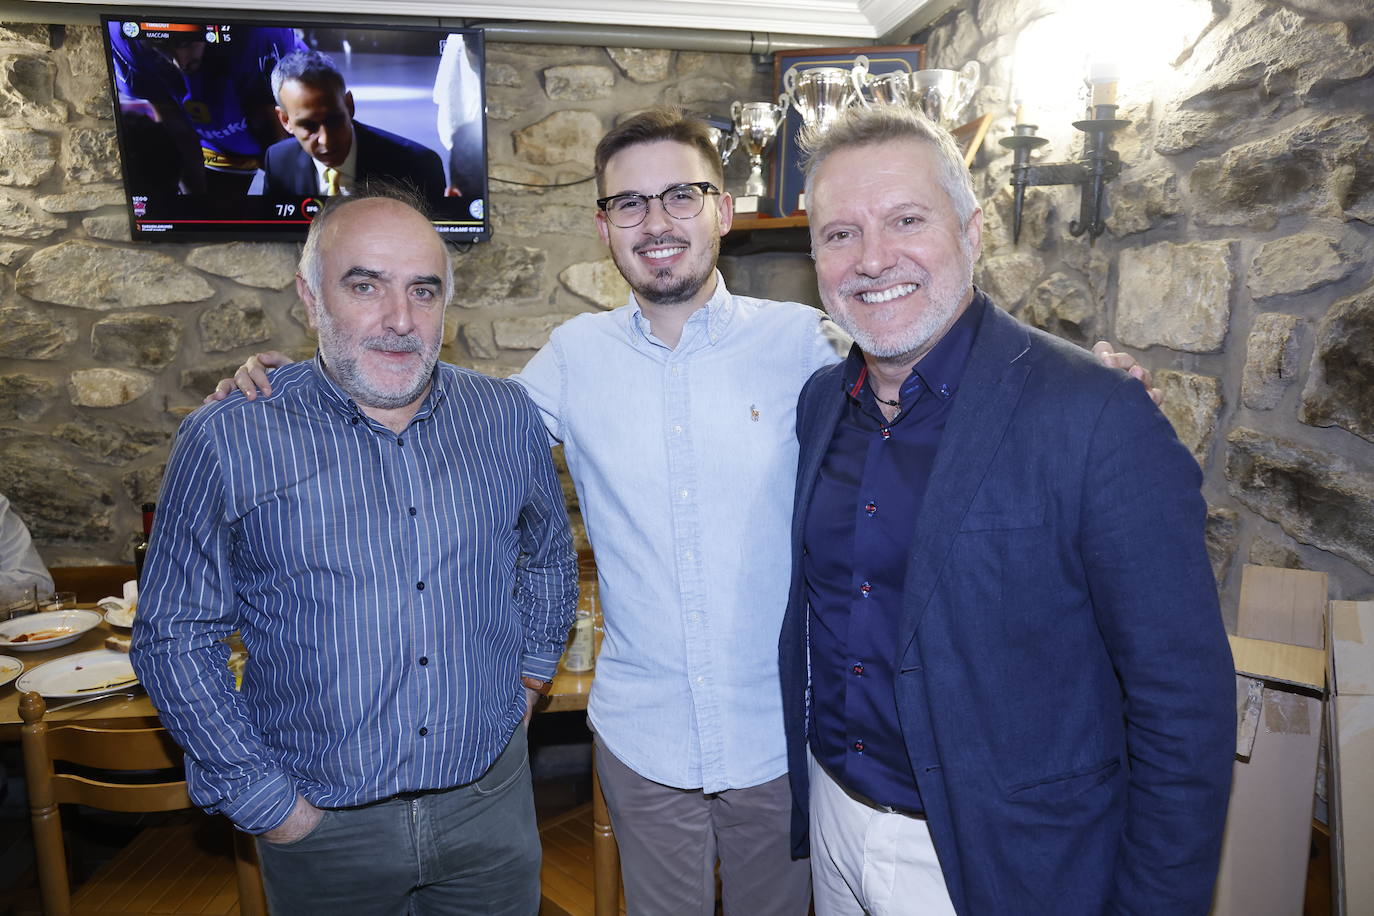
<point x="423" y="732"/>
<point x="677" y="370"/>
<point x="871" y="507"/>
<point x="420" y="586"/>
<point x="865" y="589"/>
<point x="887" y="433"/>
<point x="944" y="391"/>
<point x="424" y="659"/>
<point x="678" y="429"/>
<point x="401" y="442"/>
<point x="355" y="421"/>
<point x="858" y="746"/>
<point x="687" y="555"/>
<point x="682" y="493"/>
<point x="858" y="669"/>
<point x="412" y="510"/>
<point x="701" y="680"/>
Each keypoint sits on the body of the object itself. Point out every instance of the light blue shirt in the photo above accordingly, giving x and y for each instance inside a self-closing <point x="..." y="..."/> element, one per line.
<point x="685" y="460"/>
<point x="391" y="589"/>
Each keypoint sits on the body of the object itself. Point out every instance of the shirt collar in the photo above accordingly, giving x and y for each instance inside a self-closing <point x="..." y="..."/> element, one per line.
<point x="348" y="172"/>
<point x="342" y="403"/>
<point x="715" y="315"/>
<point x="939" y="371"/>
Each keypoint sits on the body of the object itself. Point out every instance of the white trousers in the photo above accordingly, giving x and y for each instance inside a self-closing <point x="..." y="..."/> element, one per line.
<point x="870" y="861"/>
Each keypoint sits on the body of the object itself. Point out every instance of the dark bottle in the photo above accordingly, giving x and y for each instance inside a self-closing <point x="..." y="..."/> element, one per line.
<point x="141" y="545"/>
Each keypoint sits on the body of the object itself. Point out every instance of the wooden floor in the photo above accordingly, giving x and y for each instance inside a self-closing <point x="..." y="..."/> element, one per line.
<point x="567" y="870"/>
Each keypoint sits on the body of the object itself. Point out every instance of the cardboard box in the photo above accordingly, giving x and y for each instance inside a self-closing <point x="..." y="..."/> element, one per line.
<point x="1351" y="781"/>
<point x="1280" y="643"/>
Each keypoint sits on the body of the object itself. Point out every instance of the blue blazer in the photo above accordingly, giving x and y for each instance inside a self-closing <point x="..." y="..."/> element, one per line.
<point x="289" y="170"/>
<point x="1064" y="685"/>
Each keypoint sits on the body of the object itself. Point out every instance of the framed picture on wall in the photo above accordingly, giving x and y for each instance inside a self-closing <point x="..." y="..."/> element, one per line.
<point x="785" y="183"/>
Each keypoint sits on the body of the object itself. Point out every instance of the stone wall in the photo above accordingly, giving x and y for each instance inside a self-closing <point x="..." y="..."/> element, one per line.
<point x="105" y="345"/>
<point x="1237" y="263"/>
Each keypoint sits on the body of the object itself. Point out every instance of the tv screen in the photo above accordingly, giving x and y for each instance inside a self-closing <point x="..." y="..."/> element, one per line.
<point x="236" y="129"/>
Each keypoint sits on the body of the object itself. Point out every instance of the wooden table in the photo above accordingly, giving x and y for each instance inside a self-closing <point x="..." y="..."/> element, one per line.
<point x="569" y="693"/>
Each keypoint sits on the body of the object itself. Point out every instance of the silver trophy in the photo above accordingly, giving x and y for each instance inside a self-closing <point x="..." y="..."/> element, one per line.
<point x="724" y="141"/>
<point x="888" y="89"/>
<point x="944" y="94"/>
<point x="821" y="93"/>
<point x="756" y="124"/>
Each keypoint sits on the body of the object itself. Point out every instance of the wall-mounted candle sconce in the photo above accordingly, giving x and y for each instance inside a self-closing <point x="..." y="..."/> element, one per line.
<point x="1098" y="165"/>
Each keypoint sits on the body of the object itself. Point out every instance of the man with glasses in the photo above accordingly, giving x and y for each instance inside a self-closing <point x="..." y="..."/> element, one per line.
<point x="677" y="417"/>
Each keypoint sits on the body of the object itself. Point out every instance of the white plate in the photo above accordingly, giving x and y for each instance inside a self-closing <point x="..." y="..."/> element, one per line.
<point x="121" y="617"/>
<point x="72" y="621"/>
<point x="85" y="674"/>
<point x="9" y="669"/>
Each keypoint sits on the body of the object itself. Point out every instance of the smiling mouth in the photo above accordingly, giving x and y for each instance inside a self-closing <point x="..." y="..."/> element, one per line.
<point x="660" y="253"/>
<point x="879" y="296"/>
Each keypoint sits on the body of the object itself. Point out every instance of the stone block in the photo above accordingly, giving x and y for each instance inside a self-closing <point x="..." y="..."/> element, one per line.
<point x="578" y="82"/>
<point x="268" y="265"/>
<point x="599" y="282"/>
<point x="25" y="397"/>
<point x="26" y="157"/>
<point x="109" y="228"/>
<point x="1143" y="202"/>
<point x="63" y="503"/>
<point x="238" y="321"/>
<point x="21" y="219"/>
<point x="1267" y="552"/>
<point x="1222" y="537"/>
<point x="92" y="154"/>
<point x="88" y="88"/>
<point x="83" y="200"/>
<point x="1271" y="360"/>
<point x="479" y="339"/>
<point x="564" y="136"/>
<point x="141" y="485"/>
<point x="27" y="82"/>
<point x="107" y="387"/>
<point x="1298" y="264"/>
<point x="493" y="272"/>
<point x="102" y="278"/>
<point x="1062" y="306"/>
<point x="111" y="442"/>
<point x="1316" y="497"/>
<point x="502" y="74"/>
<point x="28" y="333"/>
<point x="642" y="65"/>
<point x="1007" y="278"/>
<point x="136" y="339"/>
<point x="1177" y="296"/>
<point x="525" y="333"/>
<point x="1192" y="403"/>
<point x="1340" y="382"/>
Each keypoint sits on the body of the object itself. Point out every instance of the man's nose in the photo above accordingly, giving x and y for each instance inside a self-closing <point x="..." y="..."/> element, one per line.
<point x="399" y="313"/>
<point x="876" y="254"/>
<point x="656" y="218"/>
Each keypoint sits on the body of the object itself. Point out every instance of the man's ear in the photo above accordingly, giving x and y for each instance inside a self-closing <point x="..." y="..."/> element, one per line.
<point x="603" y="227"/>
<point x="303" y="290"/>
<point x="282" y="119"/>
<point x="726" y="209"/>
<point x="348" y="101"/>
<point x="973" y="232"/>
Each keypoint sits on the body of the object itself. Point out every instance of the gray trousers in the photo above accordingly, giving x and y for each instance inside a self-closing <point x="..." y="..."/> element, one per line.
<point x="670" y="840"/>
<point x="468" y="851"/>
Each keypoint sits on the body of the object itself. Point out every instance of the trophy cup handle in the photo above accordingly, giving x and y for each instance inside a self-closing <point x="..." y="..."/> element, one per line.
<point x="730" y="145"/>
<point x="858" y="77"/>
<point x="789" y="86"/>
<point x="735" y="107"/>
<point x="969" y="75"/>
<point x="779" y="114"/>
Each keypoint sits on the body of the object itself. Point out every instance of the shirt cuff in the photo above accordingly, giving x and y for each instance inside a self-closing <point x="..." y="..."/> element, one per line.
<point x="539" y="667"/>
<point x="260" y="807"/>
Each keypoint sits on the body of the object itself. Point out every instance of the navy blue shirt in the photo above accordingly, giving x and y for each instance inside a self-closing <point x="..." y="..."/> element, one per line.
<point x="857" y="538"/>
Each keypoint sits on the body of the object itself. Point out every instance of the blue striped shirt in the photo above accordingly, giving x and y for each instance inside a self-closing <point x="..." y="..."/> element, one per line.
<point x="390" y="590"/>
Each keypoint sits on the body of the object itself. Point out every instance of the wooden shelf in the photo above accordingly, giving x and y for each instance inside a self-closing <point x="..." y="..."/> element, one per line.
<point x="758" y="234"/>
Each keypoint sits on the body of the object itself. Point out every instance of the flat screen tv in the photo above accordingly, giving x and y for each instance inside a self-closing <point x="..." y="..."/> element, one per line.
<point x="240" y="129"/>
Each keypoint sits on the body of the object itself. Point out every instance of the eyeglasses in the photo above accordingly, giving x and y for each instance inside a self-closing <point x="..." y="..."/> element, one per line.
<point x="681" y="201"/>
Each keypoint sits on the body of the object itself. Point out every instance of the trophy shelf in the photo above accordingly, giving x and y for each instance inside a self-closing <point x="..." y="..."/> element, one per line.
<point x="759" y="234"/>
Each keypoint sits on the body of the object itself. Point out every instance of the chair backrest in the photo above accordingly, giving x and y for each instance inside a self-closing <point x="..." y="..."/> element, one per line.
<point x="91" y="583"/>
<point x="108" y="750"/>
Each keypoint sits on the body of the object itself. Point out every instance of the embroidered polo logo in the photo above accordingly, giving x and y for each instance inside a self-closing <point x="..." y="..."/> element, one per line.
<point x="753" y="413"/>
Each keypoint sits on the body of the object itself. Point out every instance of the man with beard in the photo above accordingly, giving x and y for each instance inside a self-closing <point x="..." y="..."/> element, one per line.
<point x="387" y="535"/>
<point x="676" y="413"/>
<point x="998" y="696"/>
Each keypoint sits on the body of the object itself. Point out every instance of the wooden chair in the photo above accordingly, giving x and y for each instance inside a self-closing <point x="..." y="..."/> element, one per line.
<point x="165" y="869"/>
<point x="580" y="873"/>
